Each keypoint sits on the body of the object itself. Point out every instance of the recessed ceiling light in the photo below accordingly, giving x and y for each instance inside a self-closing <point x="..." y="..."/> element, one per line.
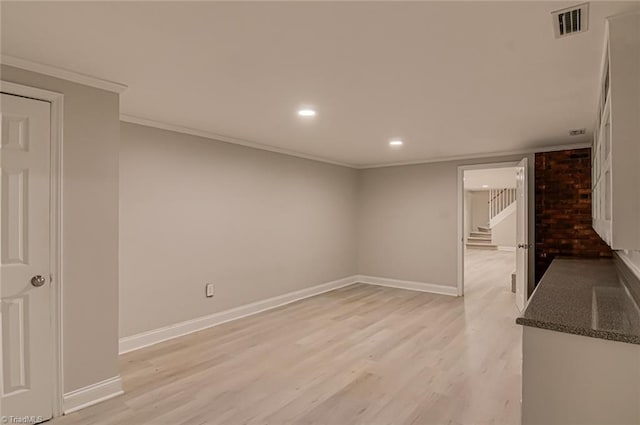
<point x="485" y="186"/>
<point x="396" y="142"/>
<point x="306" y="112"/>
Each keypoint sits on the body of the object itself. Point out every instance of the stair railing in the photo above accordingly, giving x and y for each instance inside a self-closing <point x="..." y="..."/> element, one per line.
<point x="499" y="199"/>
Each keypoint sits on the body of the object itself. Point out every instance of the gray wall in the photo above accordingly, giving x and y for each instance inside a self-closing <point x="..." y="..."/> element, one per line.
<point x="90" y="227"/>
<point x="408" y="221"/>
<point x="407" y="227"/>
<point x="479" y="209"/>
<point x="254" y="223"/>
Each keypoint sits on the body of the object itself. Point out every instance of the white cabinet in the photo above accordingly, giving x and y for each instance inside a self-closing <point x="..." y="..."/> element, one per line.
<point x="616" y="145"/>
<point x="574" y="379"/>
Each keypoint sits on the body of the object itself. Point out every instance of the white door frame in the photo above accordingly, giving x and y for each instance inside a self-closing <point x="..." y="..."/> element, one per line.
<point x="461" y="170"/>
<point x="56" y="100"/>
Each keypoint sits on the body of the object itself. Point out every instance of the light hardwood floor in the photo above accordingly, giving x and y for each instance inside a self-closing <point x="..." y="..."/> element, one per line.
<point x="358" y="355"/>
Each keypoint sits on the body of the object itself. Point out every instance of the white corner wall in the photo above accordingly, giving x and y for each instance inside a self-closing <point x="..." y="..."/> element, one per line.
<point x="467" y="226"/>
<point x="254" y="223"/>
<point x="503" y="234"/>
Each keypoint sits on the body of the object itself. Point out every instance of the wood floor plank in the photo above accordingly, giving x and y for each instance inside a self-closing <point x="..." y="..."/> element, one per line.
<point x="358" y="355"/>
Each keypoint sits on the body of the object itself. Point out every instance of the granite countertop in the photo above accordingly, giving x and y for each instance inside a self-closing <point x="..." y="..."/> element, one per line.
<point x="584" y="297"/>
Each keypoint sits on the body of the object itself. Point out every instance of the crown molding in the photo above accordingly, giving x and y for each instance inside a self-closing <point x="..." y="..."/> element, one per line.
<point x="549" y="148"/>
<point x="63" y="74"/>
<point x="209" y="135"/>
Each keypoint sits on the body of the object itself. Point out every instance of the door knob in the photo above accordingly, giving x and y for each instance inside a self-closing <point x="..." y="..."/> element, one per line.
<point x="524" y="245"/>
<point x="38" y="281"/>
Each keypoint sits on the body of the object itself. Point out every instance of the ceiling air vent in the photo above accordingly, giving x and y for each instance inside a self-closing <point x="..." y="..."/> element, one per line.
<point x="572" y="20"/>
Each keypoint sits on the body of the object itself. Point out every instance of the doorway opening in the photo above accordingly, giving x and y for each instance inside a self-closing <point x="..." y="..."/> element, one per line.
<point x="492" y="230"/>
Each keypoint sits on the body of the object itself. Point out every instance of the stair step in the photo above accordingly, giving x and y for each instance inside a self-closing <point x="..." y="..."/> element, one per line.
<point x="479" y="239"/>
<point x="482" y="246"/>
<point x="480" y="234"/>
<point x="484" y="229"/>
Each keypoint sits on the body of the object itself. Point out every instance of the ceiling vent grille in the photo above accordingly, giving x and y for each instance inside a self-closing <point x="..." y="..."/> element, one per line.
<point x="570" y="21"/>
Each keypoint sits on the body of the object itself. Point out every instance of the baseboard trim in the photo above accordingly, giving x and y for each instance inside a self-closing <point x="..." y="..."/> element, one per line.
<point x="146" y="339"/>
<point x="156" y="336"/>
<point x="410" y="285"/>
<point x="91" y="394"/>
<point x="507" y="248"/>
<point x="624" y="256"/>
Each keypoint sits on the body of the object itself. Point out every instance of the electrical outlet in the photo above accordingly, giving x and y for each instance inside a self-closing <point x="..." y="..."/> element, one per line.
<point x="209" y="290"/>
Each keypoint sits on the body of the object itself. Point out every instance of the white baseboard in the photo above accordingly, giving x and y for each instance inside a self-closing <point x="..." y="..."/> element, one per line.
<point x="145" y="339"/>
<point x="91" y="394"/>
<point x="626" y="258"/>
<point x="507" y="248"/>
<point x="410" y="285"/>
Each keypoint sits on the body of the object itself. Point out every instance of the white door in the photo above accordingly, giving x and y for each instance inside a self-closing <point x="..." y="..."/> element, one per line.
<point x="26" y="362"/>
<point x="522" y="234"/>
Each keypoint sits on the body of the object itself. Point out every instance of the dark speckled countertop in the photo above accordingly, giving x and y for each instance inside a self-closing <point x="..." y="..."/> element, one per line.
<point x="584" y="297"/>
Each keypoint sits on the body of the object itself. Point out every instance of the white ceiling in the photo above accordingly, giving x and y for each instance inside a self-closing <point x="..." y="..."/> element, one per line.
<point x="494" y="178"/>
<point x="450" y="78"/>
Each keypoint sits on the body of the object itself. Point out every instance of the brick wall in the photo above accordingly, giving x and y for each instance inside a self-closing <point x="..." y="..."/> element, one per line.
<point x="563" y="208"/>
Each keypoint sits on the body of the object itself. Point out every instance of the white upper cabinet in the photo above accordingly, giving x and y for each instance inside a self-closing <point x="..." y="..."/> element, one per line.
<point x="616" y="145"/>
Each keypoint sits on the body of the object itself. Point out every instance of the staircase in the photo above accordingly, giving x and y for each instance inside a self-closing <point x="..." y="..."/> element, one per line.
<point x="502" y="203"/>
<point x="481" y="239"/>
